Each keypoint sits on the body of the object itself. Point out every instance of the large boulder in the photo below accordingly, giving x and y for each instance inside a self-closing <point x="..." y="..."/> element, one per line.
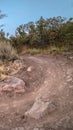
<point x="12" y="84"/>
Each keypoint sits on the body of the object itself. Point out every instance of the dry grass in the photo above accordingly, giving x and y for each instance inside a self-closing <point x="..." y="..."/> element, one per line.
<point x="7" y="52"/>
<point x="49" y="49"/>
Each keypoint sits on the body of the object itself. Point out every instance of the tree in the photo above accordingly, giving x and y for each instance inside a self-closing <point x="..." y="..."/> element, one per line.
<point x="2" y="34"/>
<point x="41" y="32"/>
<point x="67" y="32"/>
<point x="55" y="22"/>
<point x="56" y="31"/>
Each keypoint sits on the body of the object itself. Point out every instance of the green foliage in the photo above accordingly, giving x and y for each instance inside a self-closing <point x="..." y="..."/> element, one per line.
<point x="56" y="31"/>
<point x="2" y="35"/>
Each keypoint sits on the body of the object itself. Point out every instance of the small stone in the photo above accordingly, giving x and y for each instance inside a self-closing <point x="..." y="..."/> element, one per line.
<point x="71" y="57"/>
<point x="69" y="79"/>
<point x="29" y="69"/>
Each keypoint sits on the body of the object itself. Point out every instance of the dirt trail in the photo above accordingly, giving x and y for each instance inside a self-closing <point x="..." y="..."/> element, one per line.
<point x="48" y="78"/>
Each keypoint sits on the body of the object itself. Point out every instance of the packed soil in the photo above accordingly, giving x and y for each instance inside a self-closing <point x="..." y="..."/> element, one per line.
<point x="47" y="77"/>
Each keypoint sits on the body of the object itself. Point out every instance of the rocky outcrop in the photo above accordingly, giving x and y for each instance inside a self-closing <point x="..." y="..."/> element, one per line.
<point x="40" y="108"/>
<point x="12" y="84"/>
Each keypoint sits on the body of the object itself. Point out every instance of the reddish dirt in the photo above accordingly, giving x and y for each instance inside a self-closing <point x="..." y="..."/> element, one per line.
<point x="49" y="77"/>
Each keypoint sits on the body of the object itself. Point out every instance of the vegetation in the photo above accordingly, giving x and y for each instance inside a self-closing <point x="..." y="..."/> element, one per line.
<point x="7" y="52"/>
<point x="42" y="35"/>
<point x="56" y="31"/>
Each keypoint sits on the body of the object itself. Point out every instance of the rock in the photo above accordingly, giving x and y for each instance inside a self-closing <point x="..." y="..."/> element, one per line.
<point x="71" y="57"/>
<point x="40" y="108"/>
<point x="13" y="84"/>
<point x="29" y="69"/>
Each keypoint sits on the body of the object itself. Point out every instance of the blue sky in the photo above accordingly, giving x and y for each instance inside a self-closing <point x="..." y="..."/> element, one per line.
<point x="22" y="11"/>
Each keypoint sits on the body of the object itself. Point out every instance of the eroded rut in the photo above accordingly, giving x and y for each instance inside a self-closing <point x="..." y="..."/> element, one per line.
<point x="47" y="103"/>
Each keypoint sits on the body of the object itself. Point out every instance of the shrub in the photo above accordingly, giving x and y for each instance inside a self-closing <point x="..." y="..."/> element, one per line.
<point x="7" y="52"/>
